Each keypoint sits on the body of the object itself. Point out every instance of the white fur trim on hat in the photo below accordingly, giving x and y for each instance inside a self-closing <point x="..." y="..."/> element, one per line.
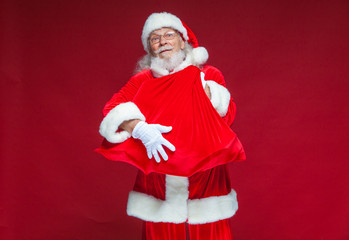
<point x="159" y="20"/>
<point x="220" y="97"/>
<point x="116" y="116"/>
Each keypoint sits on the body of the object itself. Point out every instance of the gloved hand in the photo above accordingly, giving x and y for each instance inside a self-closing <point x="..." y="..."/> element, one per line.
<point x="152" y="139"/>
<point x="205" y="85"/>
<point x="218" y="94"/>
<point x="203" y="82"/>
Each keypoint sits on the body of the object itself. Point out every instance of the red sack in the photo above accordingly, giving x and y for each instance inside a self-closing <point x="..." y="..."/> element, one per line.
<point x="201" y="137"/>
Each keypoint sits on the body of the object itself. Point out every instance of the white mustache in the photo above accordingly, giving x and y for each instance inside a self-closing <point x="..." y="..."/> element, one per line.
<point x="163" y="49"/>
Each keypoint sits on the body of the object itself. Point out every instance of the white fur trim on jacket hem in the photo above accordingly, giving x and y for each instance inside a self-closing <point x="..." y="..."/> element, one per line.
<point x="173" y="209"/>
<point x="177" y="208"/>
<point x="220" y="97"/>
<point x="119" y="114"/>
<point x="212" y="209"/>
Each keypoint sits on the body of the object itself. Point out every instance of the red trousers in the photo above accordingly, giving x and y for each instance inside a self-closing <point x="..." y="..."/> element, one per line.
<point x="170" y="231"/>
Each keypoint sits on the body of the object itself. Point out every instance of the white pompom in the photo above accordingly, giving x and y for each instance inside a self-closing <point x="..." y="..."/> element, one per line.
<point x="200" y="55"/>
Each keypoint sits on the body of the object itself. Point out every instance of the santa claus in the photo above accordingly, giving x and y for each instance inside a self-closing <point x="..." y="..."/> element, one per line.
<point x="171" y="120"/>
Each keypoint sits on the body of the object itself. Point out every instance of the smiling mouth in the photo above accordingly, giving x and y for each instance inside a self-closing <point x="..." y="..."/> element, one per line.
<point x="166" y="50"/>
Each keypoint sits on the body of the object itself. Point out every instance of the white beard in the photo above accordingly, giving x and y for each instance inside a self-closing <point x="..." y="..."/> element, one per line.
<point x="162" y="67"/>
<point x="168" y="63"/>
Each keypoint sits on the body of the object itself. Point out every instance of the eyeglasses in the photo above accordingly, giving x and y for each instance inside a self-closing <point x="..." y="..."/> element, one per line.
<point x="169" y="35"/>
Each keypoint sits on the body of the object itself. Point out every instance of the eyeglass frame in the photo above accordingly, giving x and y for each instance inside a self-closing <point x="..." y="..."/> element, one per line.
<point x="163" y="35"/>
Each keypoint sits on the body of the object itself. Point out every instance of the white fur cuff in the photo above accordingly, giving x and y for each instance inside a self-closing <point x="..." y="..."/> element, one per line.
<point x="119" y="114"/>
<point x="220" y="97"/>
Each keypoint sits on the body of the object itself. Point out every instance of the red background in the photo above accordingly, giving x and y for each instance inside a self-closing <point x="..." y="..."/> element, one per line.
<point x="285" y="63"/>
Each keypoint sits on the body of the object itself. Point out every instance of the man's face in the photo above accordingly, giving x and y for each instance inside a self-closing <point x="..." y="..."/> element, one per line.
<point x="165" y="42"/>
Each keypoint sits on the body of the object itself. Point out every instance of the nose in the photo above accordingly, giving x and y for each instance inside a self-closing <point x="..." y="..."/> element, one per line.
<point x="163" y="41"/>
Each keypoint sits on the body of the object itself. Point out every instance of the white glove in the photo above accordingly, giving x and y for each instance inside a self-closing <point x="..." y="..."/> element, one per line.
<point x="203" y="82"/>
<point x="152" y="139"/>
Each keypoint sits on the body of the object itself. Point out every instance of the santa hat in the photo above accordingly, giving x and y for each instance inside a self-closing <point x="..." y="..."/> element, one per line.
<point x="159" y="20"/>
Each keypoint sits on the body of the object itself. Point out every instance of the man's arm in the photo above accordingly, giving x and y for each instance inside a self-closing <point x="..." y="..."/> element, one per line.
<point x="212" y="73"/>
<point x="127" y="92"/>
<point x="120" y="108"/>
<point x="122" y="114"/>
<point x="129" y="125"/>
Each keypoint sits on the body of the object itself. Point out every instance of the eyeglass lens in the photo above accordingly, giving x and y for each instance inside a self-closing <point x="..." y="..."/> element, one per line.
<point x="167" y="35"/>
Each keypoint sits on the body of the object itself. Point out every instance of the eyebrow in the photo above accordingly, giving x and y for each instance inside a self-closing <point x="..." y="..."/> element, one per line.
<point x="169" y="31"/>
